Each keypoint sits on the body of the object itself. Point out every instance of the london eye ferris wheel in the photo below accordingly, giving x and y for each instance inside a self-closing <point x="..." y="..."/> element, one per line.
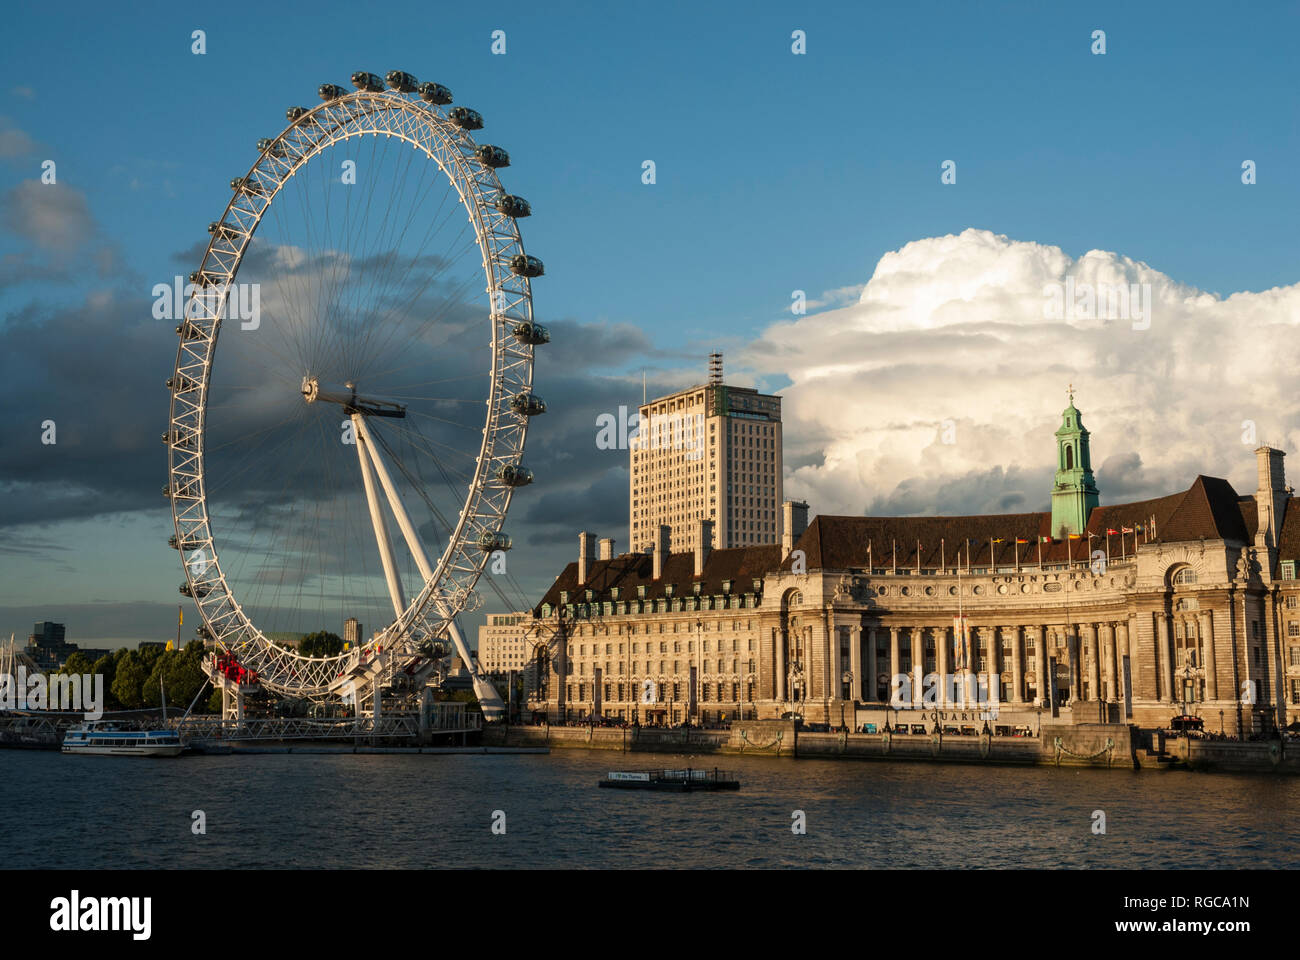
<point x="353" y="453"/>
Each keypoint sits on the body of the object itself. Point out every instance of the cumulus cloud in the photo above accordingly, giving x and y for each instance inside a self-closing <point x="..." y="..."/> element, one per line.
<point x="940" y="389"/>
<point x="49" y="215"/>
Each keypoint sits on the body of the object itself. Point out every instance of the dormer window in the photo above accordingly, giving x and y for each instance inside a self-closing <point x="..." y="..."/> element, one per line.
<point x="640" y="591"/>
<point x="564" y="598"/>
<point x="726" y="586"/>
<point x="613" y="593"/>
<point x="668" y="589"/>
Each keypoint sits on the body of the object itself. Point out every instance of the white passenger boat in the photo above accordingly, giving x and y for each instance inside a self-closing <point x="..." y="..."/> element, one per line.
<point x="109" y="738"/>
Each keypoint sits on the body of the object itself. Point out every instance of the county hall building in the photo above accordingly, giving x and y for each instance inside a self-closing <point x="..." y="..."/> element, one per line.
<point x="1090" y="612"/>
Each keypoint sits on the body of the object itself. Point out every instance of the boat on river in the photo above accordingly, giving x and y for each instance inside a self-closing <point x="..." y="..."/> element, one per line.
<point x="682" y="781"/>
<point x="111" y="738"/>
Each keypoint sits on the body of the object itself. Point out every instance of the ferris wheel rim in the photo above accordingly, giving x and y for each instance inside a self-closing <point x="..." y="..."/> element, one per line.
<point x="450" y="589"/>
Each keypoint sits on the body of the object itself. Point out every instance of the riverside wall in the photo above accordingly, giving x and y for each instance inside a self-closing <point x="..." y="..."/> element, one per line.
<point x="1113" y="746"/>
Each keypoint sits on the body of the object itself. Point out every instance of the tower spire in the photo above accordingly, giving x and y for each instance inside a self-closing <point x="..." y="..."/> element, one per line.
<point x="1074" y="493"/>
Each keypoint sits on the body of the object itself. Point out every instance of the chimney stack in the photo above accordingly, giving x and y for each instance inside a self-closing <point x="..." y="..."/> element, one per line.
<point x="703" y="544"/>
<point x="662" y="538"/>
<point x="794" y="521"/>
<point x="606" y="548"/>
<point x="1271" y="496"/>
<point x="586" y="551"/>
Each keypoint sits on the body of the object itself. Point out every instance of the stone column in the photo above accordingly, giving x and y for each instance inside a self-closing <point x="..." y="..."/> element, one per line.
<point x="1094" y="665"/>
<point x="855" y="662"/>
<point x="994" y="665"/>
<point x="1040" y="666"/>
<point x="1211" y="661"/>
<point x="918" y="664"/>
<point x="1017" y="668"/>
<point x="1166" y="657"/>
<point x="834" y="665"/>
<point x="941" y="663"/>
<point x="895" y="661"/>
<point x="872" y="687"/>
<point x="1108" y="655"/>
<point x="778" y="640"/>
<point x="1075" y="653"/>
<point x="1127" y="647"/>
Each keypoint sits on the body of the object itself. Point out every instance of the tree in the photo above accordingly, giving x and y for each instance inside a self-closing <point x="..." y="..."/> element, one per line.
<point x="129" y="680"/>
<point x="322" y="643"/>
<point x="76" y="664"/>
<point x="107" y="666"/>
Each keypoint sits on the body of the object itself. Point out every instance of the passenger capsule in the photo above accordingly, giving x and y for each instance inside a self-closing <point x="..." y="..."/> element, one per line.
<point x="188" y="331"/>
<point x="492" y="542"/>
<point x="491" y="156"/>
<point x="401" y="82"/>
<point x="523" y="265"/>
<point x="269" y="146"/>
<point x="527" y="404"/>
<point x="223" y="230"/>
<point x="513" y="475"/>
<point x="198" y="590"/>
<point x="201" y="278"/>
<point x="246" y="185"/>
<point x="465" y="118"/>
<point x="294" y="114"/>
<point x="367" y="81"/>
<point x="330" y="91"/>
<point x="531" y="333"/>
<point x="513" y="206"/>
<point x="435" y="93"/>
<point x="181" y="384"/>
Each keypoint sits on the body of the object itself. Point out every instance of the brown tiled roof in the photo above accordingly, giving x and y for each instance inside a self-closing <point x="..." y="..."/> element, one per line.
<point x="1289" y="537"/>
<point x="1210" y="508"/>
<point x="741" y="565"/>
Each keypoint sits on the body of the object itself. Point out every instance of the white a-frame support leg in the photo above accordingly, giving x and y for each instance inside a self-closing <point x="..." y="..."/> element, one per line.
<point x="486" y="693"/>
<point x="377" y="517"/>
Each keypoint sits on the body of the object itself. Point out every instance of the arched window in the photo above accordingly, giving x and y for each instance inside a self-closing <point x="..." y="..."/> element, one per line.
<point x="1069" y="458"/>
<point x="1183" y="576"/>
<point x="796" y="599"/>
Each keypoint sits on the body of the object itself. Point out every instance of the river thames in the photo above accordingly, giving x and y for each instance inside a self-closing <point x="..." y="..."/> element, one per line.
<point x="413" y="811"/>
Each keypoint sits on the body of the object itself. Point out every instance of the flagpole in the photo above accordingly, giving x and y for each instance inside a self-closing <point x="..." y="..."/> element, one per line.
<point x="1017" y="539"/>
<point x="1040" y="553"/>
<point x="943" y="563"/>
<point x="894" y="559"/>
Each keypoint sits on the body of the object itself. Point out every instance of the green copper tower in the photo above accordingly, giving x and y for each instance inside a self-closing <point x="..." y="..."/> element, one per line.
<point x="1075" y="490"/>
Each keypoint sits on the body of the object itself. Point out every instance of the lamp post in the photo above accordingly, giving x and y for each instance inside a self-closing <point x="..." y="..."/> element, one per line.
<point x="847" y="680"/>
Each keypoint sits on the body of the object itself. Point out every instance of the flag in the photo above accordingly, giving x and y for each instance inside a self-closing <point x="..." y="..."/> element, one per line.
<point x="1111" y="530"/>
<point x="180" y="616"/>
<point x="1076" y="536"/>
<point x="1021" y="540"/>
<point x="999" y="540"/>
<point x="1126" y="529"/>
<point x="171" y="644"/>
<point x="1044" y="539"/>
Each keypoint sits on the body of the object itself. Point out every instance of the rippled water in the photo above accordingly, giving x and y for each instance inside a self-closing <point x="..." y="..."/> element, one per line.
<point x="436" y="811"/>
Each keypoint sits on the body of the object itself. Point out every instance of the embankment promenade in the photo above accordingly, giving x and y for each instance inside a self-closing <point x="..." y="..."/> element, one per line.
<point x="1112" y="746"/>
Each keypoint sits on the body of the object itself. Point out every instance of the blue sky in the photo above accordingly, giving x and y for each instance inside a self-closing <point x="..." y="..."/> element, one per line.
<point x="775" y="172"/>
